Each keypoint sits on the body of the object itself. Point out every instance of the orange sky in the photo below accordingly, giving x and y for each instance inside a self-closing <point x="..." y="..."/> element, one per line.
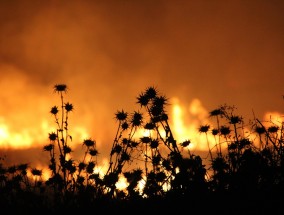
<point x="201" y="54"/>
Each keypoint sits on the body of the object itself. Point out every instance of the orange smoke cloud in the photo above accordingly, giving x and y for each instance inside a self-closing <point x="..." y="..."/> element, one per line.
<point x="107" y="52"/>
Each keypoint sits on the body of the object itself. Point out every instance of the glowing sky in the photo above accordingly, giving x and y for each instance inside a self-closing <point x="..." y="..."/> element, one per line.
<point x="200" y="53"/>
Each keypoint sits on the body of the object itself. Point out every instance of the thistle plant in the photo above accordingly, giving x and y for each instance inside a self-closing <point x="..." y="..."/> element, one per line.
<point x="68" y="177"/>
<point x="241" y="162"/>
<point x="160" y="161"/>
<point x="123" y="149"/>
<point x="59" y="142"/>
<point x="245" y="163"/>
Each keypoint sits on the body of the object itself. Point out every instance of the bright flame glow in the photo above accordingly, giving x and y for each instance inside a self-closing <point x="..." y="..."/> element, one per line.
<point x="186" y="122"/>
<point x="273" y="117"/>
<point x="4" y="132"/>
<point x="31" y="137"/>
<point x="183" y="119"/>
<point x="177" y="120"/>
<point x="101" y="169"/>
<point x="122" y="183"/>
<point x="10" y="139"/>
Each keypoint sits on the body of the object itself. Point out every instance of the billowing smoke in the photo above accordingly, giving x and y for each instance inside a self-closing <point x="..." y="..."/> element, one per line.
<point x="202" y="53"/>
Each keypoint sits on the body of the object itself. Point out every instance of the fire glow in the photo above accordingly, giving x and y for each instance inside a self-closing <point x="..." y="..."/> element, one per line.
<point x="33" y="136"/>
<point x="185" y="122"/>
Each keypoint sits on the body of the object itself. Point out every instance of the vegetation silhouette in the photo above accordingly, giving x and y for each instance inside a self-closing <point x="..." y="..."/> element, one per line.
<point x="245" y="173"/>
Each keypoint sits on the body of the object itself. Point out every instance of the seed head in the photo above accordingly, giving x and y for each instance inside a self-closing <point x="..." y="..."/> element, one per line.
<point x="185" y="143"/>
<point x="124" y="141"/>
<point x="149" y="126"/>
<point x="235" y="120"/>
<point x="124" y="126"/>
<point x="225" y="130"/>
<point x="54" y="110"/>
<point x="36" y="172"/>
<point x="154" y="144"/>
<point x="60" y="88"/>
<point x="151" y="92"/>
<point x="121" y="115"/>
<point x="273" y="129"/>
<point x="48" y="147"/>
<point x="260" y="129"/>
<point x="52" y="136"/>
<point x="215" y="131"/>
<point x="67" y="149"/>
<point x="145" y="139"/>
<point x="216" y="112"/>
<point x="143" y="99"/>
<point x="137" y="119"/>
<point x="90" y="167"/>
<point x="89" y="142"/>
<point x="82" y="165"/>
<point x="93" y="152"/>
<point x="204" y="128"/>
<point x="68" y="107"/>
<point x="160" y="101"/>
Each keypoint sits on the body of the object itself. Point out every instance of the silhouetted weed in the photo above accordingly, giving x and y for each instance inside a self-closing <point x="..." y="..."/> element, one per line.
<point x="244" y="174"/>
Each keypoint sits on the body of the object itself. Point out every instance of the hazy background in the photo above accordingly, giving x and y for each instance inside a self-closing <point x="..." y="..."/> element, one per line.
<point x="201" y="54"/>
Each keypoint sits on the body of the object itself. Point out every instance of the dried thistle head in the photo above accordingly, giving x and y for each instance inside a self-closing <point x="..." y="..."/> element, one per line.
<point x="225" y="130"/>
<point x="60" y="88"/>
<point x="54" y="110"/>
<point x="214" y="131"/>
<point x="93" y="152"/>
<point x="151" y="92"/>
<point x="235" y="119"/>
<point x="260" y="129"/>
<point x="36" y="172"/>
<point x="121" y="115"/>
<point x="48" y="147"/>
<point x="204" y="128"/>
<point x="273" y="129"/>
<point x="52" y="136"/>
<point x="137" y="119"/>
<point x="185" y="143"/>
<point x="68" y="107"/>
<point x="216" y="112"/>
<point x="143" y="99"/>
<point x="124" y="126"/>
<point x="89" y="142"/>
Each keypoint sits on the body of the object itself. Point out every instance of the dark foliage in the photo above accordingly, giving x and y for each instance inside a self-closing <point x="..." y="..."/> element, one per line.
<point x="245" y="174"/>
